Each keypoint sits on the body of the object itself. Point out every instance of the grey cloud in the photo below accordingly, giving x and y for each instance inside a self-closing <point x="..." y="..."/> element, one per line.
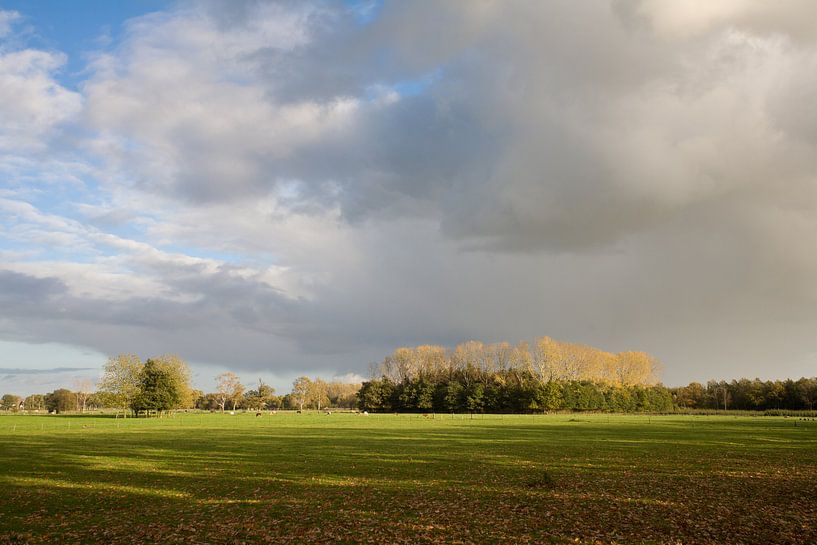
<point x="22" y="292"/>
<point x="12" y="371"/>
<point x="207" y="328"/>
<point x="214" y="297"/>
<point x="530" y="139"/>
<point x="616" y="175"/>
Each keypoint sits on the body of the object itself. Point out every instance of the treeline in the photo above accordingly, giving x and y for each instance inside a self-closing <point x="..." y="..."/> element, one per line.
<point x="306" y="393"/>
<point x="505" y="392"/>
<point x="545" y="360"/>
<point x="162" y="384"/>
<point x="749" y="395"/>
<point x="547" y="375"/>
<point x="60" y="400"/>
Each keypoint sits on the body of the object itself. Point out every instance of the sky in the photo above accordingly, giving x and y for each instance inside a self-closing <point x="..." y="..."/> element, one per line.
<point x="299" y="187"/>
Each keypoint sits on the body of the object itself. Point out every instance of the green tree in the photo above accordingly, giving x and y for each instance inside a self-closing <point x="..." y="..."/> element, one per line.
<point x="179" y="372"/>
<point x="60" y="401"/>
<point x="376" y="395"/>
<point x="475" y="397"/>
<point x="550" y="398"/>
<point x="10" y="402"/>
<point x="35" y="402"/>
<point x="262" y="398"/>
<point x="159" y="389"/>
<point x="453" y="396"/>
<point x="208" y="402"/>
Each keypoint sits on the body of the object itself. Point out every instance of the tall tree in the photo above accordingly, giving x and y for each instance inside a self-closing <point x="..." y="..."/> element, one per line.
<point x="121" y="379"/>
<point x="83" y="390"/>
<point x="342" y="394"/>
<point x="319" y="393"/>
<point x="636" y="368"/>
<point x="159" y="389"/>
<point x="301" y="390"/>
<point x="179" y="371"/>
<point x="228" y="388"/>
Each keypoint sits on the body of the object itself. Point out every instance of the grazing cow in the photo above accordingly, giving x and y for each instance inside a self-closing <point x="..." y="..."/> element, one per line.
<point x="257" y="415"/>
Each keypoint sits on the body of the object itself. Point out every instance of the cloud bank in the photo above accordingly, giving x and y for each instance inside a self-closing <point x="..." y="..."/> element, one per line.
<point x="300" y="187"/>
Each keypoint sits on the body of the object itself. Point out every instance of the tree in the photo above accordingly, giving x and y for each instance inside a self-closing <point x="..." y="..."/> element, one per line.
<point x="34" y="402"/>
<point x="318" y="393"/>
<point x="159" y="389"/>
<point x="100" y="399"/>
<point x="453" y="396"/>
<point x="229" y="388"/>
<point x="719" y="391"/>
<point x="636" y="368"/>
<point x="547" y="360"/>
<point x="550" y="396"/>
<point x="417" y="394"/>
<point x="121" y="379"/>
<point x="179" y="372"/>
<point x="807" y="391"/>
<point x="262" y="398"/>
<point x="342" y="394"/>
<point x="84" y="388"/>
<point x="474" y="395"/>
<point x="376" y="395"/>
<point x="692" y="396"/>
<point x="60" y="401"/>
<point x="10" y="402"/>
<point x="301" y="390"/>
<point x="208" y="402"/>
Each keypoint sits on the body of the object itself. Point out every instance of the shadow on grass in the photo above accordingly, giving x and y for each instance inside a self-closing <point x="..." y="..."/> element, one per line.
<point x="367" y="481"/>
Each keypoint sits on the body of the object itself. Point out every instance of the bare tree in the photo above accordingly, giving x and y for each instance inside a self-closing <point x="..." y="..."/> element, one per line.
<point x="318" y="393"/>
<point x="83" y="389"/>
<point x="228" y="388"/>
<point x="301" y="390"/>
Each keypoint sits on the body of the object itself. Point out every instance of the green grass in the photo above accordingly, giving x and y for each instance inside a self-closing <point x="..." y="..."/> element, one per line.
<point x="344" y="478"/>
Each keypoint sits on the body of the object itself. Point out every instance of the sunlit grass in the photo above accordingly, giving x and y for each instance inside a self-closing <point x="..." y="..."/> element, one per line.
<point x="345" y="478"/>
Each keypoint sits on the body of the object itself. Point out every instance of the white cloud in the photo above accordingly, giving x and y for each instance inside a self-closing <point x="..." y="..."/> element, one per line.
<point x="32" y="103"/>
<point x="251" y="187"/>
<point x="7" y="19"/>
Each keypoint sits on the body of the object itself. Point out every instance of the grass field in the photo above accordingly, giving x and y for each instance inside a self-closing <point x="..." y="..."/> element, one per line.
<point x="345" y="478"/>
